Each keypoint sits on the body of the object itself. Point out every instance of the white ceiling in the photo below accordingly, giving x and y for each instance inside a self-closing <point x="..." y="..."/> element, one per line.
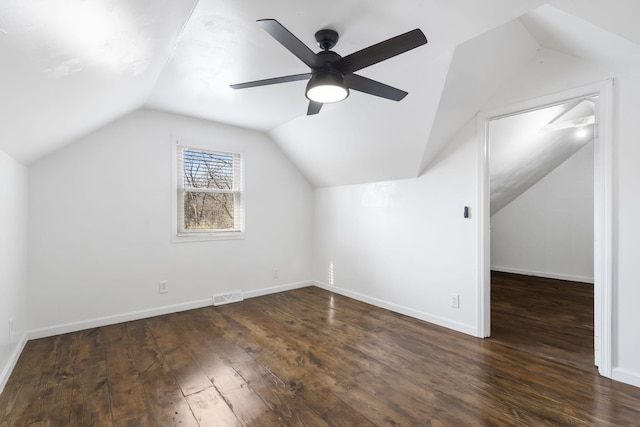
<point x="71" y="66"/>
<point x="526" y="147"/>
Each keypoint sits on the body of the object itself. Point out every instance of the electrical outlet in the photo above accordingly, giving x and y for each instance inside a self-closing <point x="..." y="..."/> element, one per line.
<point x="163" y="287"/>
<point x="11" y="332"/>
<point x="276" y="273"/>
<point x="455" y="301"/>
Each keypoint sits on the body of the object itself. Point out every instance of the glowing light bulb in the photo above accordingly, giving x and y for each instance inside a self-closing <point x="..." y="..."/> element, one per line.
<point x="581" y="132"/>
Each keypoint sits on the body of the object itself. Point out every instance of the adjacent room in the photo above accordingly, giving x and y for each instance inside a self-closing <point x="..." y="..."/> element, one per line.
<point x="193" y="233"/>
<point x="542" y="231"/>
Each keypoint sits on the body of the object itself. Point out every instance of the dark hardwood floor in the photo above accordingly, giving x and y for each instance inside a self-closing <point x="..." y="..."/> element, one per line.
<point x="305" y="358"/>
<point x="547" y="317"/>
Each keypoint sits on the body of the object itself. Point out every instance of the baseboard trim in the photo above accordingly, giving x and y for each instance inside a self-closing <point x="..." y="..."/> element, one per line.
<point x="13" y="359"/>
<point x="277" y="289"/>
<point x="143" y="314"/>
<point x="117" y="318"/>
<point x="397" y="308"/>
<point x="566" y="277"/>
<point x="626" y="376"/>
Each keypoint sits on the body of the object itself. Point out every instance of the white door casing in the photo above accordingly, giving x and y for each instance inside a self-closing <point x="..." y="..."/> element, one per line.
<point x="603" y="208"/>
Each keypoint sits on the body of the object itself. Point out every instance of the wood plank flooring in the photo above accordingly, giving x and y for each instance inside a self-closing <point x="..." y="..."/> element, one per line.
<point x="547" y="317"/>
<point x="301" y="358"/>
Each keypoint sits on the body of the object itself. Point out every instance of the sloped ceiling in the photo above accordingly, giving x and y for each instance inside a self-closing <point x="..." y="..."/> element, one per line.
<point x="527" y="147"/>
<point x="494" y="57"/>
<point x="71" y="66"/>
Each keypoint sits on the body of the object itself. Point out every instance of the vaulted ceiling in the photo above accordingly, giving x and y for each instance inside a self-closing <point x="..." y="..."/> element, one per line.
<point x="72" y="66"/>
<point x="528" y="146"/>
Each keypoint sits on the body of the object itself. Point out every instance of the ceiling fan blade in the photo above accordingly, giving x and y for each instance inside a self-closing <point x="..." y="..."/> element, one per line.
<point x="372" y="87"/>
<point x="288" y="40"/>
<point x="380" y="51"/>
<point x="582" y="121"/>
<point x="314" y="108"/>
<point x="275" y="80"/>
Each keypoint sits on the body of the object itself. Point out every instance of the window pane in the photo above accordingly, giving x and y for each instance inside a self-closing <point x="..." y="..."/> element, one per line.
<point x="206" y="169"/>
<point x="204" y="211"/>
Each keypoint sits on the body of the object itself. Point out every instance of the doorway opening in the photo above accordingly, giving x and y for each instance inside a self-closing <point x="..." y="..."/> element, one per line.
<point x="554" y="118"/>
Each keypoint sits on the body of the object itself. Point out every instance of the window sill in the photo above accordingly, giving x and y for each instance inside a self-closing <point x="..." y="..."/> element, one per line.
<point x="206" y="237"/>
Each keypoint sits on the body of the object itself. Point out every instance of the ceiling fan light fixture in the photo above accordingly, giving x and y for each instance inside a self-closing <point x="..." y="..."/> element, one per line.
<point x="581" y="132"/>
<point x="326" y="87"/>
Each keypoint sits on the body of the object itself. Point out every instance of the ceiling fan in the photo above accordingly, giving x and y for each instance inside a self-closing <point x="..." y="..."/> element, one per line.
<point x="331" y="75"/>
<point x="576" y="123"/>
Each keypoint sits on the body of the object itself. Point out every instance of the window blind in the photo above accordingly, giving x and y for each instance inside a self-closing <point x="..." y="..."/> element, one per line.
<point x="209" y="191"/>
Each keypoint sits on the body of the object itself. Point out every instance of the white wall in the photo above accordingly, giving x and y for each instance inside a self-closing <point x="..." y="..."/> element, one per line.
<point x="13" y="262"/>
<point x="627" y="230"/>
<point x="405" y="244"/>
<point x="548" y="230"/>
<point x="100" y="222"/>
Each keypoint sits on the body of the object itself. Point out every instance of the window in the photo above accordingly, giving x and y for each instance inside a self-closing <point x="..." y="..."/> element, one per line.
<point x="209" y="200"/>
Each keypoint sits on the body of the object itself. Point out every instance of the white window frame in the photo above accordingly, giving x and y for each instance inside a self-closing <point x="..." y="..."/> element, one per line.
<point x="178" y="233"/>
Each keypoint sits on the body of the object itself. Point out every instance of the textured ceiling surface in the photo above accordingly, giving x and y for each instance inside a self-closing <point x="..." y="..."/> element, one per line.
<point x="71" y="66"/>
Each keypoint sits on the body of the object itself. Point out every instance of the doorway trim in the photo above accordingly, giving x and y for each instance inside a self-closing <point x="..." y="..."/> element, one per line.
<point x="603" y="212"/>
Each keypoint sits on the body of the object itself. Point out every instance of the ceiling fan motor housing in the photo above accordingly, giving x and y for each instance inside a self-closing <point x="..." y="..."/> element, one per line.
<point x="326" y="38"/>
<point x="327" y="57"/>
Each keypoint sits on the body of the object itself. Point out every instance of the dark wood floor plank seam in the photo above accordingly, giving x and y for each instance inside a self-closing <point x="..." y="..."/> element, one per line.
<point x="157" y="379"/>
<point x="356" y="354"/>
<point x="266" y="366"/>
<point x="309" y="357"/>
<point x="290" y="399"/>
<point x="129" y="400"/>
<point x="266" y="357"/>
<point x="415" y="392"/>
